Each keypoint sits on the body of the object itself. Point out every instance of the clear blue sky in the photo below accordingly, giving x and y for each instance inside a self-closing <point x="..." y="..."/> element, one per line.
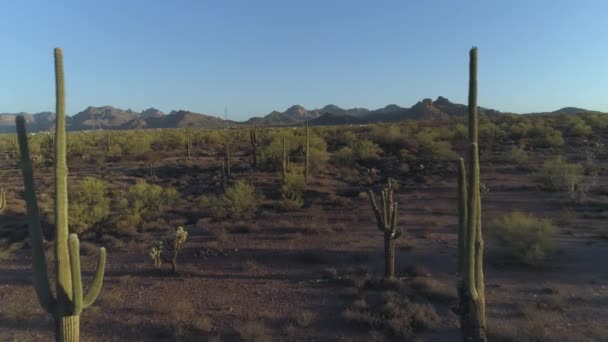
<point x="259" y="55"/>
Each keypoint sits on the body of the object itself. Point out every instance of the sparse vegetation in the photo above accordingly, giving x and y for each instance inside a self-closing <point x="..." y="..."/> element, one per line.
<point x="527" y="239"/>
<point x="239" y="201"/>
<point x="290" y="240"/>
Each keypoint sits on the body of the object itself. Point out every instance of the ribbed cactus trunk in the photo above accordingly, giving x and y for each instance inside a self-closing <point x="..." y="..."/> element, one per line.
<point x="307" y="155"/>
<point x="284" y="162"/>
<point x="228" y="160"/>
<point x="188" y="145"/>
<point x="108" y="142"/>
<point x="386" y="221"/>
<point x="389" y="255"/>
<point x="62" y="261"/>
<point x="69" y="301"/>
<point x="2" y="200"/>
<point x="254" y="140"/>
<point x="470" y="240"/>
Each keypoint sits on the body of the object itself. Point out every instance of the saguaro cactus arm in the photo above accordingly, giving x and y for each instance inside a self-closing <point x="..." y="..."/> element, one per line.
<point x="95" y="286"/>
<point x="41" y="279"/>
<point x="74" y="250"/>
<point x="462" y="216"/>
<point x="2" y="200"/>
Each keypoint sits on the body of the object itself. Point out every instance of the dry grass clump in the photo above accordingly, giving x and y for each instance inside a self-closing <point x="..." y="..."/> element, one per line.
<point x="434" y="290"/>
<point x="252" y="331"/>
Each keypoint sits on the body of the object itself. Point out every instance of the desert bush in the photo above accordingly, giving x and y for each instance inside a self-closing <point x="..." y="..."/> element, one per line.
<point x="526" y="238"/>
<point x="575" y="126"/>
<point x="252" y="331"/>
<point x="238" y="201"/>
<point x="362" y="151"/>
<point x="517" y="155"/>
<point x="89" y="204"/>
<point x="556" y="174"/>
<point x="548" y="137"/>
<point x="168" y="248"/>
<point x="432" y="147"/>
<point x="132" y="144"/>
<point x="344" y="156"/>
<point x="142" y="202"/>
<point x="292" y="190"/>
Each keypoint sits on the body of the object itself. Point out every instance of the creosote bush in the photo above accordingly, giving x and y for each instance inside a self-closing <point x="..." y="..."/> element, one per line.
<point x="89" y="204"/>
<point x="526" y="238"/>
<point x="292" y="190"/>
<point x="361" y="151"/>
<point x="517" y="155"/>
<point x="142" y="202"/>
<point x="557" y="174"/>
<point x="238" y="201"/>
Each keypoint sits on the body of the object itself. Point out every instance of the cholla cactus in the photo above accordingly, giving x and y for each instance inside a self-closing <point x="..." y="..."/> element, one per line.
<point x="2" y="200"/>
<point x="155" y="254"/>
<point x="168" y="248"/>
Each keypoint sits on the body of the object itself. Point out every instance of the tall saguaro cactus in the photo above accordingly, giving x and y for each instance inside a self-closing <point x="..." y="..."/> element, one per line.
<point x="470" y="240"/>
<point x="307" y="156"/>
<point x="188" y="144"/>
<point x="228" y="160"/>
<point x="284" y="162"/>
<point x="386" y="220"/>
<point x="254" y="139"/>
<point x="2" y="200"/>
<point x="69" y="301"/>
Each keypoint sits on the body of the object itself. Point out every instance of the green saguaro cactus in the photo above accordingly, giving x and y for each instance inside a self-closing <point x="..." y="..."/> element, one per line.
<point x="386" y="221"/>
<point x="69" y="301"/>
<point x="188" y="144"/>
<point x="2" y="200"/>
<point x="470" y="240"/>
<point x="228" y="160"/>
<point x="284" y="162"/>
<point x="254" y="139"/>
<point x="307" y="155"/>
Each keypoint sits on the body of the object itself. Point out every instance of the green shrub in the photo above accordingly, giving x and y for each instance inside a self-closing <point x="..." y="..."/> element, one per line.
<point x="271" y="152"/>
<point x="576" y="127"/>
<point x="89" y="204"/>
<point x="432" y="147"/>
<point x="558" y="175"/>
<point x="292" y="190"/>
<point x="142" y="202"/>
<point x="550" y="138"/>
<point x="517" y="155"/>
<point x="344" y="156"/>
<point x="239" y="201"/>
<point x="527" y="239"/>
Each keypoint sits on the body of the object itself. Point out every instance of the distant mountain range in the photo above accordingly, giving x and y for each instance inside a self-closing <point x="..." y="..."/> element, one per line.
<point x="107" y="117"/>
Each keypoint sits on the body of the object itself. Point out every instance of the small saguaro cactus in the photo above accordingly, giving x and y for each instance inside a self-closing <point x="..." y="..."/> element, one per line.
<point x="284" y="161"/>
<point x="254" y="139"/>
<point x="69" y="301"/>
<point x="470" y="241"/>
<point x="2" y="200"/>
<point x="228" y="160"/>
<point x="307" y="155"/>
<point x="386" y="221"/>
<point x="188" y="144"/>
<point x="224" y="175"/>
<point x="172" y="245"/>
<point x="108" y="142"/>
